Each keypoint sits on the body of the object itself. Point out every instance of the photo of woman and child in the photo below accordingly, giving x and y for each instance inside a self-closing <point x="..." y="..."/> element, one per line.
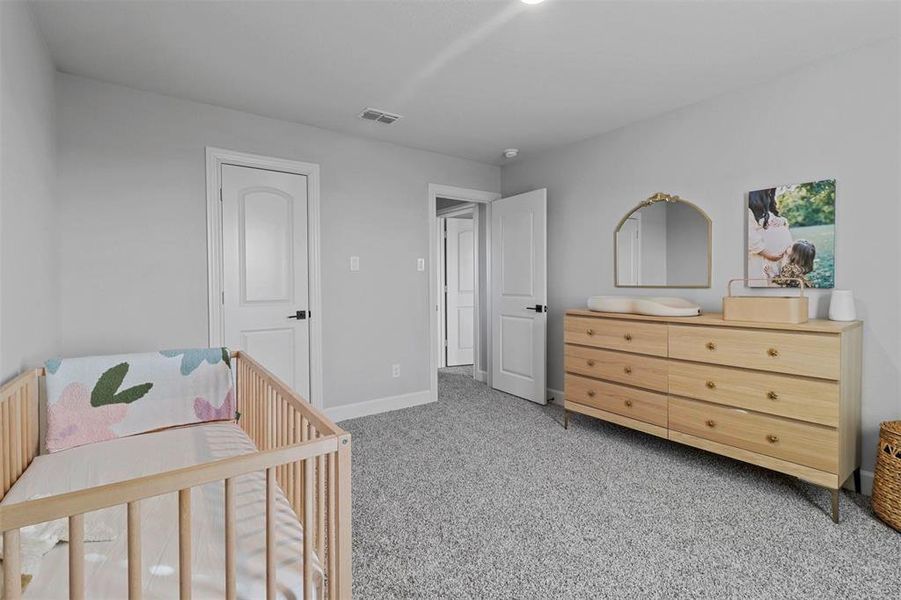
<point x="791" y="235"/>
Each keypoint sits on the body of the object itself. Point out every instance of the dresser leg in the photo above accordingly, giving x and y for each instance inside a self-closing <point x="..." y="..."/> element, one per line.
<point x="857" y="480"/>
<point x="835" y="506"/>
<point x="565" y="419"/>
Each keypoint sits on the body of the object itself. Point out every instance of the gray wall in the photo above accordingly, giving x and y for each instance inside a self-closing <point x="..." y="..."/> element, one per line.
<point x="836" y="118"/>
<point x="133" y="208"/>
<point x="28" y="248"/>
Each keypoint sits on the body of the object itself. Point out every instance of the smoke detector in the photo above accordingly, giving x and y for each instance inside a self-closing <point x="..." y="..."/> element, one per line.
<point x="379" y="116"/>
<point x="511" y="152"/>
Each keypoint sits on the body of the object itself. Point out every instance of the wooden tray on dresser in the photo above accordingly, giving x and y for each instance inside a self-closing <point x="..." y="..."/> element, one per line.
<point x="782" y="396"/>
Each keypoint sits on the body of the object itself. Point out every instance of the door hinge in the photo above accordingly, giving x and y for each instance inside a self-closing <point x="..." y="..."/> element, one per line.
<point x="445" y="289"/>
<point x="220" y="194"/>
<point x="222" y="297"/>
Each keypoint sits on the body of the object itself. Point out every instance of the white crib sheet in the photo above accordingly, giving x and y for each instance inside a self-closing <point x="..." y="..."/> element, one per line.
<point x="146" y="454"/>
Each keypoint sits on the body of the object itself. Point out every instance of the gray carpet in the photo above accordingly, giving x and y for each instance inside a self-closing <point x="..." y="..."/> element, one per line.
<point x="483" y="495"/>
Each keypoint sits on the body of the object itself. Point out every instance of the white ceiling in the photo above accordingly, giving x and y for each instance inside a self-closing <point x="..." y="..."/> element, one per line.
<point x="471" y="78"/>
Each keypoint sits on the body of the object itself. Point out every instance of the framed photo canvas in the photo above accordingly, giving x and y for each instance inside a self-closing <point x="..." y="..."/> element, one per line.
<point x="791" y="235"/>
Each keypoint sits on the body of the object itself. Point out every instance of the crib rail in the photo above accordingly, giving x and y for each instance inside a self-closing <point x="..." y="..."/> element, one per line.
<point x="299" y="449"/>
<point x="19" y="435"/>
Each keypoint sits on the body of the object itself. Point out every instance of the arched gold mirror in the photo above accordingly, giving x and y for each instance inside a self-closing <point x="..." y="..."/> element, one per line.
<point x="663" y="242"/>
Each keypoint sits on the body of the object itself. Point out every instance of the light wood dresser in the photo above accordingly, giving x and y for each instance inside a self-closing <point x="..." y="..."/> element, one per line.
<point x="784" y="397"/>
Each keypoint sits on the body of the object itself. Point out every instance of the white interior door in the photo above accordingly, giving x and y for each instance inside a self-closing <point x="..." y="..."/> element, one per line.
<point x="628" y="253"/>
<point x="460" y="282"/>
<point x="265" y="270"/>
<point x="519" y="294"/>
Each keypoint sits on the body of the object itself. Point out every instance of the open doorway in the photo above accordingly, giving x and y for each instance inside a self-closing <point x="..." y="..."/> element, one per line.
<point x="458" y="274"/>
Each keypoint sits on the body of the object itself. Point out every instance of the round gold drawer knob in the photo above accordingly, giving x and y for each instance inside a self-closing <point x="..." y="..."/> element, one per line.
<point x="591" y="362"/>
<point x="628" y="403"/>
<point x="772" y="396"/>
<point x="772" y="352"/>
<point x="628" y="337"/>
<point x="711" y="385"/>
<point x="628" y="370"/>
<point x="711" y="423"/>
<point x="590" y="331"/>
<point x="591" y="393"/>
<point x="772" y="439"/>
<point x="711" y="346"/>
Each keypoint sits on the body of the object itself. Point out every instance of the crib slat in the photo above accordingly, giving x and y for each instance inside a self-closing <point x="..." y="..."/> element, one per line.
<point x="135" y="567"/>
<point x="33" y="419"/>
<point x="21" y="431"/>
<point x="342" y="575"/>
<point x="298" y="478"/>
<point x="308" y="528"/>
<point x="230" y="541"/>
<point x="270" y="534"/>
<point x="330" y="543"/>
<point x="288" y="488"/>
<point x="12" y="568"/>
<point x="184" y="544"/>
<point x="76" y="557"/>
<point x="5" y="447"/>
<point x="320" y="504"/>
<point x="16" y="421"/>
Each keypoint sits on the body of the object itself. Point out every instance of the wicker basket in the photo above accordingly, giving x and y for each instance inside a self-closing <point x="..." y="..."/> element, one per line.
<point x="887" y="479"/>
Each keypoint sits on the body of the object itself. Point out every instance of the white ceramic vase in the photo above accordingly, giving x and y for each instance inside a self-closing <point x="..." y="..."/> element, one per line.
<point x="841" y="306"/>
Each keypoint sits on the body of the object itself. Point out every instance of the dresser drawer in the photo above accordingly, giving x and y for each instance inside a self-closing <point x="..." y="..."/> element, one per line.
<point x="629" y="402"/>
<point x="810" y="400"/>
<point x="806" y="444"/>
<point x="629" y="336"/>
<point x="633" y="369"/>
<point x="813" y="355"/>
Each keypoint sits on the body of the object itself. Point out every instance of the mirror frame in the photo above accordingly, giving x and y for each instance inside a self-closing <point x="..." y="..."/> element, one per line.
<point x="654" y="199"/>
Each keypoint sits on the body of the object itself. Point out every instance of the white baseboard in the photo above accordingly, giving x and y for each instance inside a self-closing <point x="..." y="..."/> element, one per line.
<point x="481" y="375"/>
<point x="379" y="405"/>
<point x="557" y="395"/>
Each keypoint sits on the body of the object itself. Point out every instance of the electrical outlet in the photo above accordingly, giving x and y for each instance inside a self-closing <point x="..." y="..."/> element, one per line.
<point x="354" y="263"/>
<point x="420" y="264"/>
<point x="395" y="370"/>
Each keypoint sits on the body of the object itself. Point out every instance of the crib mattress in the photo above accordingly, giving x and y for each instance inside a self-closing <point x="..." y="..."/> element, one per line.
<point x="146" y="454"/>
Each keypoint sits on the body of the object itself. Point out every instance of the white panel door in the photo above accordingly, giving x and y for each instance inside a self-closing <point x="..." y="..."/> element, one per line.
<point x="264" y="242"/>
<point x="519" y="294"/>
<point x="460" y="281"/>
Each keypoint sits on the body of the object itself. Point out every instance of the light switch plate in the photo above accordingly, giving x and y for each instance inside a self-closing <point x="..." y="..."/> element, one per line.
<point x="420" y="264"/>
<point x="354" y="263"/>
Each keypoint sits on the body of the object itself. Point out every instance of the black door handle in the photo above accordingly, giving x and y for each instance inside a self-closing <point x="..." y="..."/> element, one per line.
<point x="537" y="308"/>
<point x="300" y="315"/>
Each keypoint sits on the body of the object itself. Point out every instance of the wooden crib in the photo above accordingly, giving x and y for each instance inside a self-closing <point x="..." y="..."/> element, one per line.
<point x="298" y="447"/>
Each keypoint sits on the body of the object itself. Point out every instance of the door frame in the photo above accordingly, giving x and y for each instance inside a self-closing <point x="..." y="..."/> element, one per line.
<point x="470" y="209"/>
<point x="466" y="195"/>
<point x="215" y="158"/>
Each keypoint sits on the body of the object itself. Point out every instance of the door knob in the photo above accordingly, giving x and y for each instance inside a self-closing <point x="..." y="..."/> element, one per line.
<point x="537" y="308"/>
<point x="300" y="315"/>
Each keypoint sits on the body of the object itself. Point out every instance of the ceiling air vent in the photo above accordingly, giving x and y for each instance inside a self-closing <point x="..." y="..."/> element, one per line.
<point x="380" y="116"/>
